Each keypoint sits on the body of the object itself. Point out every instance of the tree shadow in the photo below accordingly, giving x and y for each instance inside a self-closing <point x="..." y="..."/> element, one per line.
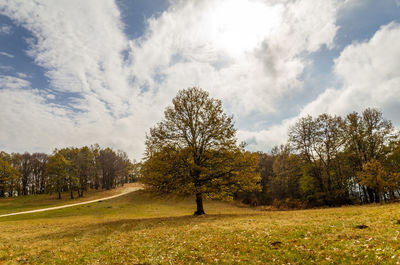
<point x="137" y="224"/>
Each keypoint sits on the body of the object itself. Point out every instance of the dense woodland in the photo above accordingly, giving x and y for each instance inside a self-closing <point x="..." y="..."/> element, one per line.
<point x="71" y="169"/>
<point x="332" y="160"/>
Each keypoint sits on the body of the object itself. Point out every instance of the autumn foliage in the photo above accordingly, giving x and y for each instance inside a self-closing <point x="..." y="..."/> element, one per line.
<point x="193" y="151"/>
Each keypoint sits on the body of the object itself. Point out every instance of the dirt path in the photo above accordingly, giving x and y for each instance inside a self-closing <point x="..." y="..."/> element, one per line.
<point x="128" y="190"/>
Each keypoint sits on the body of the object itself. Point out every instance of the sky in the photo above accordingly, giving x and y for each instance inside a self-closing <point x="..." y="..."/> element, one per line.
<point x="75" y="73"/>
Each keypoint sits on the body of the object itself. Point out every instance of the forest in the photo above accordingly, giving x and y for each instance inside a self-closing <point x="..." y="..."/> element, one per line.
<point x="332" y="160"/>
<point x="72" y="169"/>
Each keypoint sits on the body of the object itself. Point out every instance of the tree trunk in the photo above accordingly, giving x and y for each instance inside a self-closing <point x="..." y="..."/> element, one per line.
<point x="199" y="202"/>
<point x="366" y="198"/>
<point x="392" y="197"/>
<point x="377" y="196"/>
<point x="59" y="195"/>
<point x="371" y="195"/>
<point x="72" y="195"/>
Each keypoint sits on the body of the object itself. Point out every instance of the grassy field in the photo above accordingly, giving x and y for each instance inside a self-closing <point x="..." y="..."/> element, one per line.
<point x="136" y="229"/>
<point x="32" y="202"/>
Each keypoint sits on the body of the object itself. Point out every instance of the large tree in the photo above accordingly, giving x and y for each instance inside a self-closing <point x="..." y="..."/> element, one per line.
<point x="57" y="171"/>
<point x="193" y="151"/>
<point x="320" y="142"/>
<point x="8" y="174"/>
<point x="38" y="166"/>
<point x="367" y="138"/>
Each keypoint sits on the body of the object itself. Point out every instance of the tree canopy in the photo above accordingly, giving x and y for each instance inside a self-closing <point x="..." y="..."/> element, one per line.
<point x="194" y="151"/>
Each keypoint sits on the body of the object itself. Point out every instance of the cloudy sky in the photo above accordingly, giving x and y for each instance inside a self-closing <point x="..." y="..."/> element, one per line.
<point x="76" y="72"/>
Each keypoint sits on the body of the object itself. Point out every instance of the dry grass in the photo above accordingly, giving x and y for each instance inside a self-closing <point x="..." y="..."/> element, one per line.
<point x="32" y="202"/>
<point x="138" y="229"/>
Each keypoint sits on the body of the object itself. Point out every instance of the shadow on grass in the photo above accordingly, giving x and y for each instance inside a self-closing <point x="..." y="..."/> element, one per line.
<point x="137" y="224"/>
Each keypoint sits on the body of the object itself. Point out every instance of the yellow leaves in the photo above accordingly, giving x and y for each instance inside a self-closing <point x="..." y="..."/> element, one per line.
<point x="194" y="150"/>
<point x="7" y="174"/>
<point x="374" y="175"/>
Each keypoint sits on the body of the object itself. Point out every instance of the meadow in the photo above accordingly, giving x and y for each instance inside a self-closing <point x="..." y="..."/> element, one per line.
<point x="139" y="229"/>
<point x="32" y="202"/>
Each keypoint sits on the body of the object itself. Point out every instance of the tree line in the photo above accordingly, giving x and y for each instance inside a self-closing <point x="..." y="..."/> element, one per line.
<point x="70" y="169"/>
<point x="332" y="160"/>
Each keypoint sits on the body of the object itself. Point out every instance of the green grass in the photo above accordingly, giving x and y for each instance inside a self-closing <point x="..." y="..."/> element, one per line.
<point x="136" y="229"/>
<point x="32" y="202"/>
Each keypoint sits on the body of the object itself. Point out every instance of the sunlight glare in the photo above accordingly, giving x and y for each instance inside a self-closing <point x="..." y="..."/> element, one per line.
<point x="237" y="26"/>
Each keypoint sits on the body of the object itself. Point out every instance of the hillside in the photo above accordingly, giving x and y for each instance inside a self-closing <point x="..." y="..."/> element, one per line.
<point x="136" y="228"/>
<point x="33" y="202"/>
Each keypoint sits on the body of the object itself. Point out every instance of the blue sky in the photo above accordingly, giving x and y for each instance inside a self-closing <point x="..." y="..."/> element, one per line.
<point x="83" y="72"/>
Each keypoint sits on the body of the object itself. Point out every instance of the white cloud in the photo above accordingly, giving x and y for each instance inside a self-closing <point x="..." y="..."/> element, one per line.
<point x="352" y="4"/>
<point x="28" y="123"/>
<point x="22" y="75"/>
<point x="370" y="72"/>
<point x="10" y="82"/>
<point x="80" y="43"/>
<point x="6" y="54"/>
<point x="51" y="96"/>
<point x="193" y="43"/>
<point x="370" y="75"/>
<point x="5" y="29"/>
<point x="6" y="68"/>
<point x="265" y="140"/>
